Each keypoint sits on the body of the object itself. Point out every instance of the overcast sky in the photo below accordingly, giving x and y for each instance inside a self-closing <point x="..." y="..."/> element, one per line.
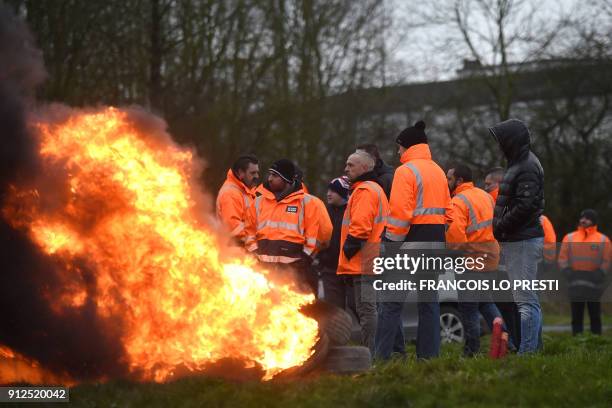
<point x="421" y="52"/>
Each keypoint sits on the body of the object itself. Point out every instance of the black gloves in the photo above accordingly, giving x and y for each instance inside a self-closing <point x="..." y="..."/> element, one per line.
<point x="352" y="245"/>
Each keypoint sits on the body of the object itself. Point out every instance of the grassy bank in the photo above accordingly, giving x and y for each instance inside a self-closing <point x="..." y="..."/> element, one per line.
<point x="570" y="372"/>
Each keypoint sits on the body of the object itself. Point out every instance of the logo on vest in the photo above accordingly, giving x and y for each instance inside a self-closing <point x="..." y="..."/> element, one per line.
<point x="291" y="208"/>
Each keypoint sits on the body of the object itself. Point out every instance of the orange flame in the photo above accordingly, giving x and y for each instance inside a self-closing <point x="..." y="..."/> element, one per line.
<point x="129" y="209"/>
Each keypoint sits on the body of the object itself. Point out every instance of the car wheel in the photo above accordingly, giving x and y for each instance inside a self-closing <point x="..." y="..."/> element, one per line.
<point x="451" y="325"/>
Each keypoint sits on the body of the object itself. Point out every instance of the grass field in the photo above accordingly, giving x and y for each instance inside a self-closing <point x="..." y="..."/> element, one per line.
<point x="571" y="372"/>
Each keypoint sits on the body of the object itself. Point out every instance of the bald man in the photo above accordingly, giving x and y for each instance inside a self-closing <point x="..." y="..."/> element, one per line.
<point x="362" y="227"/>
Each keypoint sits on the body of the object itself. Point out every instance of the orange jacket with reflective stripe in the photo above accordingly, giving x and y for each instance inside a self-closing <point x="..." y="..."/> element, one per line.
<point x="585" y="249"/>
<point x="550" y="239"/>
<point x="285" y="230"/>
<point x="470" y="224"/>
<point x="233" y="201"/>
<point x="325" y="225"/>
<point x="364" y="218"/>
<point x="419" y="193"/>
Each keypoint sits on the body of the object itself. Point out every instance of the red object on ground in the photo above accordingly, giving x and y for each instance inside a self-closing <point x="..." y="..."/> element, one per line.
<point x="503" y="346"/>
<point x="496" y="338"/>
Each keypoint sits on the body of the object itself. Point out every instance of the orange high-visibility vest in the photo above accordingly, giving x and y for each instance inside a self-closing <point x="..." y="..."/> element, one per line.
<point x="469" y="222"/>
<point x="364" y="218"/>
<point x="550" y="239"/>
<point x="419" y="193"/>
<point x="282" y="231"/>
<point x="585" y="249"/>
<point x="233" y="202"/>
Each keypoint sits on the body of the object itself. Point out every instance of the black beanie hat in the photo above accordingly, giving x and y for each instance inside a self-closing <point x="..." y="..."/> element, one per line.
<point x="412" y="135"/>
<point x="285" y="169"/>
<point x="589" y="214"/>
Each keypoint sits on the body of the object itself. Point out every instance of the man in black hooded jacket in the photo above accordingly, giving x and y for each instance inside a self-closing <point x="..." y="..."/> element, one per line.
<point x="516" y="222"/>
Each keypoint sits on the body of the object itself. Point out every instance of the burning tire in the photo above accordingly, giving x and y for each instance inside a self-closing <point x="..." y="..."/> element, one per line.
<point x="333" y="321"/>
<point x="321" y="348"/>
<point x="347" y="360"/>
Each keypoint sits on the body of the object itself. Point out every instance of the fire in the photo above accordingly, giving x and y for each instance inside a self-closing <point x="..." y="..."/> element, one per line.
<point x="15" y="368"/>
<point x="129" y="210"/>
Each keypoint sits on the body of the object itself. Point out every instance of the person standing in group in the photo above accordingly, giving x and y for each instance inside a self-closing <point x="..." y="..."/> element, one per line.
<point x="585" y="260"/>
<point x="508" y="309"/>
<point x="470" y="230"/>
<point x="362" y="228"/>
<point x="333" y="284"/>
<point x="236" y="196"/>
<point x="283" y="224"/>
<point x="419" y="198"/>
<point x="516" y="223"/>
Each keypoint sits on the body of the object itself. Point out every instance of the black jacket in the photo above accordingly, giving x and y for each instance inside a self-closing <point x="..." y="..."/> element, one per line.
<point x="384" y="176"/>
<point x="521" y="193"/>
<point x="328" y="258"/>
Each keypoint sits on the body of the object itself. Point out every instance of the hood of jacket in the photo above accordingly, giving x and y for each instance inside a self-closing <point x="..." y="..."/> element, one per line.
<point x="368" y="176"/>
<point x="418" y="151"/>
<point x="514" y="139"/>
<point x="231" y="178"/>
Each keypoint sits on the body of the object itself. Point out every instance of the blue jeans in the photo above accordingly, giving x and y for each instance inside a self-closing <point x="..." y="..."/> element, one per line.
<point x="389" y="334"/>
<point x="471" y="325"/>
<point x="522" y="259"/>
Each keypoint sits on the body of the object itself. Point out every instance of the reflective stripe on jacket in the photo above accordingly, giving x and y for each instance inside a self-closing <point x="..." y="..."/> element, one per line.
<point x="364" y="218"/>
<point x="470" y="224"/>
<point x="283" y="231"/>
<point x="233" y="201"/>
<point x="585" y="249"/>
<point x="419" y="194"/>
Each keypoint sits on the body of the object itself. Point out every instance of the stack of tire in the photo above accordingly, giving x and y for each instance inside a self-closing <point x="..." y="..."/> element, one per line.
<point x="336" y="325"/>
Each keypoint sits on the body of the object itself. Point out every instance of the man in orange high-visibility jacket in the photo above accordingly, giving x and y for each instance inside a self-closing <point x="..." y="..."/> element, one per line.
<point x="236" y="196"/>
<point x="362" y="227"/>
<point x="419" y="198"/>
<point x="585" y="259"/>
<point x="283" y="224"/>
<point x="469" y="219"/>
<point x="492" y="180"/>
<point x="550" y="240"/>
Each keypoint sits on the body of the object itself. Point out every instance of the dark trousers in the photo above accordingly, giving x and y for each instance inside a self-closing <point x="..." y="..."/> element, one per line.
<point x="594" y="309"/>
<point x="357" y="293"/>
<point x="390" y="336"/>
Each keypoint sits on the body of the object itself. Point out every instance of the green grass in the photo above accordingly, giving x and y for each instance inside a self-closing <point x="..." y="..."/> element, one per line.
<point x="571" y="372"/>
<point x="557" y="317"/>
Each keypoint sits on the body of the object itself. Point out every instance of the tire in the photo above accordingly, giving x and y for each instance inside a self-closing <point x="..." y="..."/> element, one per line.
<point x="452" y="329"/>
<point x="321" y="349"/>
<point x="347" y="360"/>
<point x="333" y="321"/>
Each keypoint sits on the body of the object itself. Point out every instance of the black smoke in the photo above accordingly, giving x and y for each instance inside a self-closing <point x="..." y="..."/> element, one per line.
<point x="76" y="342"/>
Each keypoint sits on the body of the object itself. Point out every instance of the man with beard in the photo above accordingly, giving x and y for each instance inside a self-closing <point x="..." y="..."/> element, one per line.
<point x="236" y="196"/>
